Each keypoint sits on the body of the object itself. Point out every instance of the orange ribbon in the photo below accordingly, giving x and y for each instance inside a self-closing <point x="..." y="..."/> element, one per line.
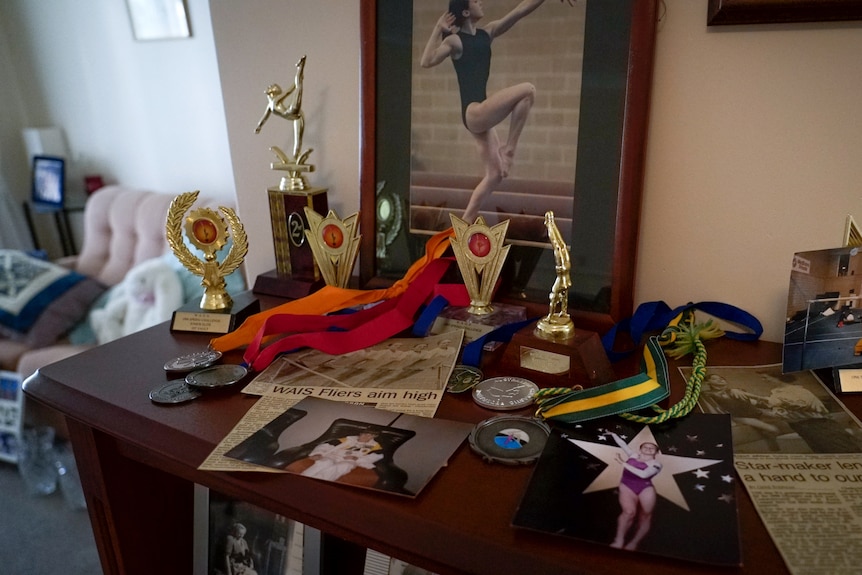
<point x="329" y="299"/>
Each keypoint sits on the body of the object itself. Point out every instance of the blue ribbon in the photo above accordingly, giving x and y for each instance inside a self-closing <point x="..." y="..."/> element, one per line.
<point x="656" y="315"/>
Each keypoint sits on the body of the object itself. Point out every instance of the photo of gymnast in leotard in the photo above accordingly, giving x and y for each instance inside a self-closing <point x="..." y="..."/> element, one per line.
<point x="457" y="36"/>
<point x="637" y="495"/>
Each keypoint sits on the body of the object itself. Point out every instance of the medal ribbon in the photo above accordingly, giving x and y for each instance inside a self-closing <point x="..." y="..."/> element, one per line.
<point x="329" y="299"/>
<point x="337" y="334"/>
<point x="656" y="315"/>
<point x="629" y="394"/>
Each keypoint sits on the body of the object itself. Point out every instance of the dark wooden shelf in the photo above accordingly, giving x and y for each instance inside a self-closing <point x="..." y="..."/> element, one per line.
<point x="139" y="460"/>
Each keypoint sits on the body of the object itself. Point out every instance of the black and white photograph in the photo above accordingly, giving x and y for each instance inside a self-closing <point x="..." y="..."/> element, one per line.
<point x="354" y="445"/>
<point x="233" y="537"/>
<point x="775" y="412"/>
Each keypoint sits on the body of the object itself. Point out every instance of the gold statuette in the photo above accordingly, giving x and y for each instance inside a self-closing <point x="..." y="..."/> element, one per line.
<point x="557" y="324"/>
<point x="335" y="244"/>
<point x="207" y="231"/>
<point x="480" y="254"/>
<point x="287" y="104"/>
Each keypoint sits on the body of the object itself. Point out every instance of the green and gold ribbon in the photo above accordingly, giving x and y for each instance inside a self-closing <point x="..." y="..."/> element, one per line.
<point x="644" y="390"/>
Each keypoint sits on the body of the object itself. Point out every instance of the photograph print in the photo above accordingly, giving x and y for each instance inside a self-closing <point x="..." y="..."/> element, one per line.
<point x="354" y="445"/>
<point x="666" y="489"/>
<point x="237" y="538"/>
<point x="775" y="412"/>
<point x="824" y="310"/>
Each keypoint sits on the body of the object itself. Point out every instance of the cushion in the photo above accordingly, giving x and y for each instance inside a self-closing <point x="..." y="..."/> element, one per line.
<point x="40" y="301"/>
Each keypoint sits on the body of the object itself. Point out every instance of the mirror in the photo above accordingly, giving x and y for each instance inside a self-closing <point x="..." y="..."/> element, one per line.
<point x="406" y="194"/>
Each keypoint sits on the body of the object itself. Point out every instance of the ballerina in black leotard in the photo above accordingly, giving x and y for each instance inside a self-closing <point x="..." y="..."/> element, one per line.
<point x="457" y="36"/>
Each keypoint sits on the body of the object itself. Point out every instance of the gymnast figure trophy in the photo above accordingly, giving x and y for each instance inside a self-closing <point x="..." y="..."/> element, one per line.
<point x="553" y="352"/>
<point x="295" y="274"/>
<point x="557" y="324"/>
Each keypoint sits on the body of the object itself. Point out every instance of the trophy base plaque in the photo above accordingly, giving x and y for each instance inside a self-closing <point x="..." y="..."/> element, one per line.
<point x="475" y="326"/>
<point x="294" y="262"/>
<point x="558" y="362"/>
<point x="271" y="283"/>
<point x="192" y="318"/>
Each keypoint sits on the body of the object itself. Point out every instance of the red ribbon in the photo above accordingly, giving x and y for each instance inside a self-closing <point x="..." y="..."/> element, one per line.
<point x="360" y="330"/>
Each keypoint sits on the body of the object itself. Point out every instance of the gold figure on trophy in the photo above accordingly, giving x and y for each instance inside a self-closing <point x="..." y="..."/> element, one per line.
<point x="480" y="254"/>
<point x="207" y="231"/>
<point x="287" y="104"/>
<point x="335" y="244"/>
<point x="557" y="324"/>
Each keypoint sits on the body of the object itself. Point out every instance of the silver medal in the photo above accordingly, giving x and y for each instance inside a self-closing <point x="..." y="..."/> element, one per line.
<point x="175" y="391"/>
<point x="216" y="376"/>
<point x="193" y="361"/>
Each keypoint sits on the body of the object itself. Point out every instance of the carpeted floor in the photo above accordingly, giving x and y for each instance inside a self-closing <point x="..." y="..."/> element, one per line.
<point x="42" y="535"/>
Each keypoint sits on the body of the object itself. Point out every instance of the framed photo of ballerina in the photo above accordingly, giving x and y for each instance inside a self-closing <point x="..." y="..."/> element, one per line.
<point x="479" y="114"/>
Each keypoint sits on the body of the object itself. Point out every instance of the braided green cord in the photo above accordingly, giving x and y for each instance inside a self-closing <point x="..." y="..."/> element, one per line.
<point x="692" y="391"/>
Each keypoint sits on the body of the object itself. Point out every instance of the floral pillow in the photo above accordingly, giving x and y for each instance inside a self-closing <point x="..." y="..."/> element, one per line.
<point x="40" y="301"/>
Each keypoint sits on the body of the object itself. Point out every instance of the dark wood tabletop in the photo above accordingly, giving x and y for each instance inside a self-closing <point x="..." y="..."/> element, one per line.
<point x="139" y="460"/>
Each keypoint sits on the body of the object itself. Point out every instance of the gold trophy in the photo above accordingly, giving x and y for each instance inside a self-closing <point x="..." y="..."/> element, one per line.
<point x="295" y="273"/>
<point x="335" y="244"/>
<point x="206" y="230"/>
<point x="557" y="324"/>
<point x="554" y="353"/>
<point x="480" y="254"/>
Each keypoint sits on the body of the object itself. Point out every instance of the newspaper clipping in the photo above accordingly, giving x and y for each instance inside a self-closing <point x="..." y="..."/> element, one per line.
<point x="798" y="451"/>
<point x="406" y="375"/>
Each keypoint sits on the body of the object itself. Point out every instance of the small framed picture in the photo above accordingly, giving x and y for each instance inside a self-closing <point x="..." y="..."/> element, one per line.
<point x="49" y="183"/>
<point x="238" y="538"/>
<point x="159" y="19"/>
<point x="10" y="415"/>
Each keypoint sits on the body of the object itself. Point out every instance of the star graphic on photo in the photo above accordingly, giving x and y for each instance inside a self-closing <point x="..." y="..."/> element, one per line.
<point x="665" y="483"/>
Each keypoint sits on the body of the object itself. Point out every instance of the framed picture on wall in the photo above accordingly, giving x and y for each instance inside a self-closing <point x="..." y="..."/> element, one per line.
<point x="49" y="183"/>
<point x="580" y="150"/>
<point x="159" y="19"/>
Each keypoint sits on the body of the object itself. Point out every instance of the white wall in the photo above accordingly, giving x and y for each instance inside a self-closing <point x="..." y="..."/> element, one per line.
<point x="752" y="151"/>
<point x="753" y="154"/>
<point x="259" y="44"/>
<point x="147" y="114"/>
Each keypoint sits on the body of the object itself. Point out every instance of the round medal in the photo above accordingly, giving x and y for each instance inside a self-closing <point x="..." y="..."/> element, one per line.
<point x="510" y="439"/>
<point x="216" y="376"/>
<point x="193" y="361"/>
<point x="175" y="391"/>
<point x="505" y="393"/>
<point x="463" y="377"/>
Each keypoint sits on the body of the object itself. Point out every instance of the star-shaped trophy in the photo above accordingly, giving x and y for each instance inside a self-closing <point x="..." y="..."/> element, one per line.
<point x="480" y="253"/>
<point x="335" y="245"/>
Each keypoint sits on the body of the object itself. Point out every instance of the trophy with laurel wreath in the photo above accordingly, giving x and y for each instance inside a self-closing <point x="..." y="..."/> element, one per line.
<point x="207" y="230"/>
